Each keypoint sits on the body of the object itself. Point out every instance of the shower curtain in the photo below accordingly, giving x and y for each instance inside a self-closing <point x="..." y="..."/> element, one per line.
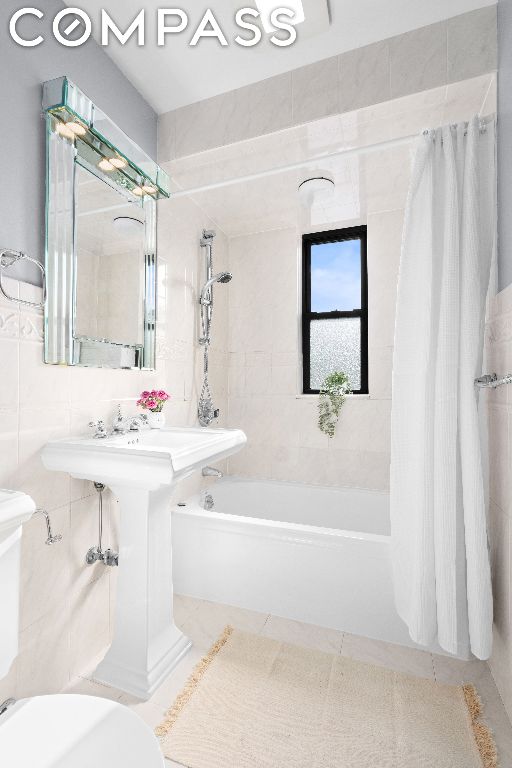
<point x="438" y="501"/>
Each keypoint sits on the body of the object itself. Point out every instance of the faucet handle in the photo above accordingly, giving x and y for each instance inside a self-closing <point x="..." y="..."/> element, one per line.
<point x="99" y="427"/>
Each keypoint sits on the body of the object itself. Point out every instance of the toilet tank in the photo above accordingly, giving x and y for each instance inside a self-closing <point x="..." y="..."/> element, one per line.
<point x="15" y="509"/>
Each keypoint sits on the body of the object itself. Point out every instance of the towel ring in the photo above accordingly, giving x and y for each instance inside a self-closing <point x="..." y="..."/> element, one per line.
<point x="8" y="257"/>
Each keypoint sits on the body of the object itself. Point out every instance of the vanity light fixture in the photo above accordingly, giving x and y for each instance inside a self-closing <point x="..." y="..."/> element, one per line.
<point x="72" y="115"/>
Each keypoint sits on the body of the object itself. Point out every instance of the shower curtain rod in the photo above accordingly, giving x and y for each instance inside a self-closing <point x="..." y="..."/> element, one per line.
<point x="353" y="152"/>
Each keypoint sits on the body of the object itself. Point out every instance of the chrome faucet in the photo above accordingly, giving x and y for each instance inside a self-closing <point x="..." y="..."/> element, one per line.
<point x="122" y="424"/>
<point x="100" y="430"/>
<point x="211" y="472"/>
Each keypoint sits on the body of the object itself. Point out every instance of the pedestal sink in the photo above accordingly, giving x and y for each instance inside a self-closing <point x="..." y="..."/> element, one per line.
<point x="141" y="469"/>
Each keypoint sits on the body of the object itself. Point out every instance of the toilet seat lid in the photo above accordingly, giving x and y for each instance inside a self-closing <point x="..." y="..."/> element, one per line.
<point x="73" y="731"/>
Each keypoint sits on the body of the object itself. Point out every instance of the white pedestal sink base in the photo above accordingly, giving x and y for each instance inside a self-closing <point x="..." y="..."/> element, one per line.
<point x="147" y="644"/>
<point x="142" y="469"/>
<point x="142" y="684"/>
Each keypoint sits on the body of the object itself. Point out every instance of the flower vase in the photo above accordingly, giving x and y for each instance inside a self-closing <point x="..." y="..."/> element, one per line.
<point x="156" y="419"/>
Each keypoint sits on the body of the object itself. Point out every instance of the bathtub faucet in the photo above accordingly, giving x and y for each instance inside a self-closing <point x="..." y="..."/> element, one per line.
<point x="211" y="472"/>
<point x="208" y="502"/>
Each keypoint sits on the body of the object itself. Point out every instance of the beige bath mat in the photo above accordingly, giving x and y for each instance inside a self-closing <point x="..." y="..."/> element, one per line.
<point x="253" y="702"/>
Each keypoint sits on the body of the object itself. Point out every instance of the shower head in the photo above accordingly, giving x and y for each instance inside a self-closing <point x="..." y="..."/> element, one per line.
<point x="221" y="277"/>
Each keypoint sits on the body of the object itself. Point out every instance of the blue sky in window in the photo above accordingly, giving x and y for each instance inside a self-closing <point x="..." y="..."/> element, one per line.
<point x="336" y="276"/>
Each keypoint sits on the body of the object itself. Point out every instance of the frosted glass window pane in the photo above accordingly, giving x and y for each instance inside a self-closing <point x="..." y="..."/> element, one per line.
<point x="336" y="276"/>
<point x="336" y="346"/>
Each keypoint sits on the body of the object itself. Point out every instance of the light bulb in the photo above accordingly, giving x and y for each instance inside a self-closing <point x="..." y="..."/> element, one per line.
<point x="64" y="130"/>
<point x="148" y="189"/>
<point x="77" y="128"/>
<point x="106" y="165"/>
<point x="138" y="191"/>
<point x="118" y="162"/>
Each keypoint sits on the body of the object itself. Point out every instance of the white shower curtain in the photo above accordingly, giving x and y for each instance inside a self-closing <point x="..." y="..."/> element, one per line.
<point x="438" y="508"/>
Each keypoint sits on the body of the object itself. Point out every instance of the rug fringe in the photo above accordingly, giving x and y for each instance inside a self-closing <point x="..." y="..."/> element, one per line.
<point x="483" y="735"/>
<point x="193" y="681"/>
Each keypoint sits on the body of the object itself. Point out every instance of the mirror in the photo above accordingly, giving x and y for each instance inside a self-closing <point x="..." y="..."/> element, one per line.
<point x="101" y="238"/>
<point x="110" y="263"/>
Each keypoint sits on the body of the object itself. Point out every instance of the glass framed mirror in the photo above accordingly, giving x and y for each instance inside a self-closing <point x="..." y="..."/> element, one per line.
<point x="101" y="218"/>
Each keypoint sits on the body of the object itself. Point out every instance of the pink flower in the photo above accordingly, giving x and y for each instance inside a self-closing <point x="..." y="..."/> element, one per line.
<point x="153" y="393"/>
<point x="151" y="404"/>
<point x="162" y="395"/>
<point x="144" y="395"/>
<point x="140" y="402"/>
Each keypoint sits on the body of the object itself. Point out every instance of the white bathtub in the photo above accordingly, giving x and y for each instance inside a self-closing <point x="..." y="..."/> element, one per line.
<point x="317" y="555"/>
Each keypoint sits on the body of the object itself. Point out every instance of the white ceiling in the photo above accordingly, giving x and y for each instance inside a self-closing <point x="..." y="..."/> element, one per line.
<point x="178" y="74"/>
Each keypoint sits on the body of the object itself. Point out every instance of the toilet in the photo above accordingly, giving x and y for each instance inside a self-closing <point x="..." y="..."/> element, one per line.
<point x="60" y="730"/>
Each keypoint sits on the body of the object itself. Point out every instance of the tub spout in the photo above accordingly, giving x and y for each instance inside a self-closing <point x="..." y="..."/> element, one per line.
<point x="211" y="472"/>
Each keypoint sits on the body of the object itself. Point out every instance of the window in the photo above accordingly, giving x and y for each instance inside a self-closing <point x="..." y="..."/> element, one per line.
<point x="335" y="308"/>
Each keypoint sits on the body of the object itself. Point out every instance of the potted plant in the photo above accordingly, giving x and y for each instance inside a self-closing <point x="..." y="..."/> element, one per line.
<point x="333" y="392"/>
<point x="153" y="402"/>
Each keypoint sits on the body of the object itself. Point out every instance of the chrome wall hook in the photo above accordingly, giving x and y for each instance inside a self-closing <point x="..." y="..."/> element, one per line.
<point x="8" y="258"/>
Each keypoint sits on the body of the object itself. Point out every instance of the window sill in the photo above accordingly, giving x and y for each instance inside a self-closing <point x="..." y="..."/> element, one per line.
<point x="349" y="397"/>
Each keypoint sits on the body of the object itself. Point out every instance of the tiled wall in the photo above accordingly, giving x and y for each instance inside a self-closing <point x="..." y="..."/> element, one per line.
<point x="265" y="400"/>
<point x="499" y="346"/>
<point x="446" y="52"/>
<point x="284" y="442"/>
<point x="66" y="607"/>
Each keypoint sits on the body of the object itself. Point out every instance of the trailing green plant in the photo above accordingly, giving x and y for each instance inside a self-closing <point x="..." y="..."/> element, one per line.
<point x="333" y="392"/>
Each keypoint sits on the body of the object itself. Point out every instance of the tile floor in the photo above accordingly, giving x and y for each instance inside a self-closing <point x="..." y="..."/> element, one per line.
<point x="203" y="622"/>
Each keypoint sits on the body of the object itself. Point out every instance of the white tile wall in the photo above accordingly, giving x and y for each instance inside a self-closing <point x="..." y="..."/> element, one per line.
<point x="66" y="607"/>
<point x="284" y="442"/>
<point x="452" y="50"/>
<point x="264" y="379"/>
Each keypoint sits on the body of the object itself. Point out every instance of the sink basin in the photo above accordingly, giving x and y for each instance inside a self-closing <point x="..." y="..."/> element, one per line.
<point x="142" y="469"/>
<point x="147" y="459"/>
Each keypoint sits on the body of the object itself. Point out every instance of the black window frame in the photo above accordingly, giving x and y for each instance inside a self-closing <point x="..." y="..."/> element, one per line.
<point x="319" y="238"/>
